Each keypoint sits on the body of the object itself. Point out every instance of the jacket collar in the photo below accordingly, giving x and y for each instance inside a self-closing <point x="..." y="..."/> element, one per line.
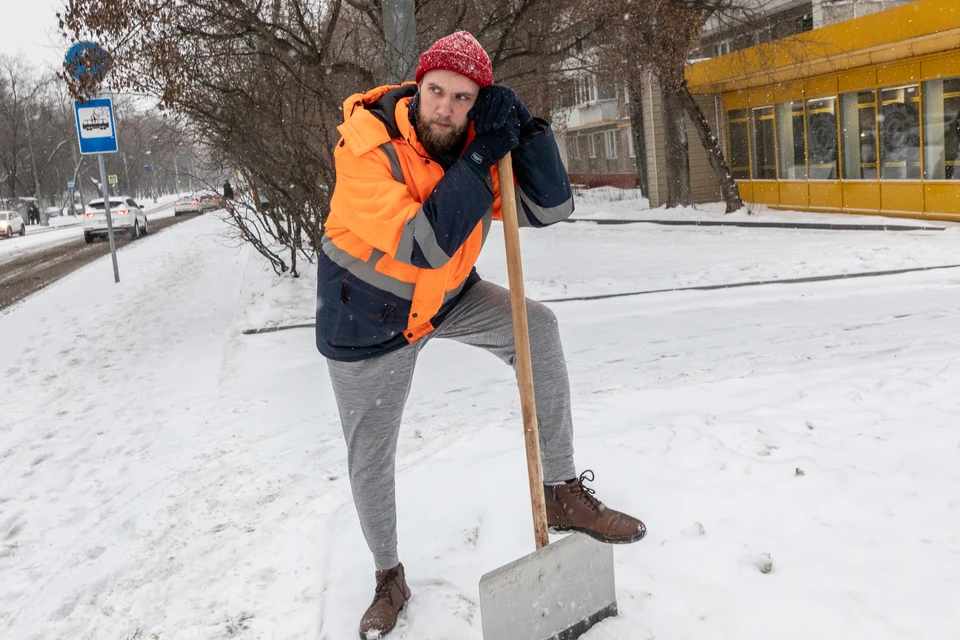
<point x="377" y="116"/>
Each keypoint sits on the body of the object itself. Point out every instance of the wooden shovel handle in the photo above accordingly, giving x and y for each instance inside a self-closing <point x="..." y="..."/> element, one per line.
<point x="521" y="337"/>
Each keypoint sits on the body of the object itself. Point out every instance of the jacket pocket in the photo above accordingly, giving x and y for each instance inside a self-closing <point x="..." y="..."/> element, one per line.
<point x="364" y="317"/>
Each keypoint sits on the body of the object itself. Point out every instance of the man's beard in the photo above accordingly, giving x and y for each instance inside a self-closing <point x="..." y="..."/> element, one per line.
<point x="438" y="143"/>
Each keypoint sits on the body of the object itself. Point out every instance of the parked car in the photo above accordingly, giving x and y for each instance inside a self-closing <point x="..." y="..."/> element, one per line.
<point x="209" y="202"/>
<point x="77" y="210"/>
<point x="127" y="215"/>
<point x="11" y="223"/>
<point x="52" y="212"/>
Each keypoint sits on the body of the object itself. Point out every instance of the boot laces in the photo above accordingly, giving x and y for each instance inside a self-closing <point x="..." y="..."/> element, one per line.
<point x="584" y="493"/>
<point x="384" y="592"/>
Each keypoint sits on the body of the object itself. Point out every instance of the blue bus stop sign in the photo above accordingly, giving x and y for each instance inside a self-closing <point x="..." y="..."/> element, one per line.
<point x="95" y="126"/>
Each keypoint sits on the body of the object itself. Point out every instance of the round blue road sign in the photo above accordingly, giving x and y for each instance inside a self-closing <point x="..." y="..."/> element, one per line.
<point x="86" y="60"/>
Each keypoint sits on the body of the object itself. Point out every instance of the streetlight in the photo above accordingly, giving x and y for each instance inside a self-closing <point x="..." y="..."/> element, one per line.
<point x="176" y="173"/>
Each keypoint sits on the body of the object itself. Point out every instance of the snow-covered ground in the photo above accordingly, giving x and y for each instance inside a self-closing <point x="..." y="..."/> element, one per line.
<point x="164" y="476"/>
<point x="67" y="228"/>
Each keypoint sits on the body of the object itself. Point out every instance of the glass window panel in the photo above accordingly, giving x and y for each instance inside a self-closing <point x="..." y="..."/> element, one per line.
<point x="822" y="138"/>
<point x="858" y="135"/>
<point x="793" y="154"/>
<point x="606" y="89"/>
<point x="738" y="140"/>
<point x="610" y="144"/>
<point x="764" y="148"/>
<point x="900" y="133"/>
<point x="941" y="129"/>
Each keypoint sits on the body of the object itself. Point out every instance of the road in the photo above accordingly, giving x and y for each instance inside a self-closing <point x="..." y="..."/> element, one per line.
<point x="27" y="271"/>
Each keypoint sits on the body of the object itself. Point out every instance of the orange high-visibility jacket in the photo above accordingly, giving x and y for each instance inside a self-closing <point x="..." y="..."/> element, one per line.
<point x="404" y="232"/>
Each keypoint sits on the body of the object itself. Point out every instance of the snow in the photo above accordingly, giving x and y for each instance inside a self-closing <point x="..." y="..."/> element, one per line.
<point x="165" y="476"/>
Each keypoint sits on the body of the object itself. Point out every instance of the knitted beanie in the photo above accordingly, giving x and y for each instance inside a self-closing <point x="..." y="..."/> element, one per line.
<point x="461" y="53"/>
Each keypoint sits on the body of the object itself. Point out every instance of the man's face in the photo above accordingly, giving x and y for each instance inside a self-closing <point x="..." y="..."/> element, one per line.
<point x="445" y="99"/>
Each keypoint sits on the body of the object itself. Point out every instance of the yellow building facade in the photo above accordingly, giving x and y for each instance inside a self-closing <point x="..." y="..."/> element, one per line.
<point x="858" y="117"/>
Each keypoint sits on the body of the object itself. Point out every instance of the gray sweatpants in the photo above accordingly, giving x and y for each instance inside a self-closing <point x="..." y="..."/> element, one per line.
<point x="371" y="395"/>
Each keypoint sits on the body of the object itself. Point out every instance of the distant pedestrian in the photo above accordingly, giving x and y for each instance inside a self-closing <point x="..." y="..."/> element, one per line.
<point x="227" y="190"/>
<point x="33" y="214"/>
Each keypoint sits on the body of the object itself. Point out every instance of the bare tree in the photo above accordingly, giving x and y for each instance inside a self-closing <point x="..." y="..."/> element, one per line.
<point x="262" y="84"/>
<point x="659" y="35"/>
<point x="18" y="86"/>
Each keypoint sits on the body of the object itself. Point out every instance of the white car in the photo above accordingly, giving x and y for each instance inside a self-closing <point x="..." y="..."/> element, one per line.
<point x="190" y="204"/>
<point x="11" y="223"/>
<point x="127" y="217"/>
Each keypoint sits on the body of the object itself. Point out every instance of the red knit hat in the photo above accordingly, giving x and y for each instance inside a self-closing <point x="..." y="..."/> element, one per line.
<point x="461" y="53"/>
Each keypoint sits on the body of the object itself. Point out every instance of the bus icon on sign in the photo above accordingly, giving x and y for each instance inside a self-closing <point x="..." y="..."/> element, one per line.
<point x="94" y="122"/>
<point x="99" y="119"/>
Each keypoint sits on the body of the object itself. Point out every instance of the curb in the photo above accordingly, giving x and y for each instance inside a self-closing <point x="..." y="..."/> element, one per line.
<point x="765" y="225"/>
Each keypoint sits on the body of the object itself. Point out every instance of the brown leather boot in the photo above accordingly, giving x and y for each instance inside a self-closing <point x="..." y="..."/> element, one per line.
<point x="572" y="507"/>
<point x="389" y="600"/>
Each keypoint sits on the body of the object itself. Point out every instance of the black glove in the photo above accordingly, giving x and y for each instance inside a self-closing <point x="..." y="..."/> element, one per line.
<point x="487" y="148"/>
<point x="494" y="106"/>
<point x="523" y="114"/>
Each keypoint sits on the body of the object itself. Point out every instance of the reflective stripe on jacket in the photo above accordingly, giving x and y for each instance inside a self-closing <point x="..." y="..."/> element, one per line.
<point x="403" y="234"/>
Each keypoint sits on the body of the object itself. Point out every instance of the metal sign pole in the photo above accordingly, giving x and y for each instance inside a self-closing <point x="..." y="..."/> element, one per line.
<point x="400" y="31"/>
<point x="96" y="128"/>
<point x="106" y="207"/>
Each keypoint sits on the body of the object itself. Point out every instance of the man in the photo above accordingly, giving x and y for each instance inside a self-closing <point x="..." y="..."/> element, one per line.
<point x="417" y="188"/>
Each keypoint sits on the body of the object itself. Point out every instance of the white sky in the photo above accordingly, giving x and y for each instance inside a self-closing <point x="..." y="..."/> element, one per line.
<point x="30" y="27"/>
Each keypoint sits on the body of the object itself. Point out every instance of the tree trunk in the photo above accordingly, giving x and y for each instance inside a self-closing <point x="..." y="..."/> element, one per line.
<point x="711" y="144"/>
<point x="639" y="133"/>
<point x="675" y="148"/>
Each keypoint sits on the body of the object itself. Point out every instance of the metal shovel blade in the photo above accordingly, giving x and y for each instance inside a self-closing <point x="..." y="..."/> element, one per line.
<point x="556" y="593"/>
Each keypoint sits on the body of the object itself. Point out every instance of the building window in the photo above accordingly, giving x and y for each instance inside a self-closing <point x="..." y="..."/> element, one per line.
<point x="586" y="89"/>
<point x="606" y="90"/>
<point x="858" y="124"/>
<point x="941" y="129"/>
<point x="822" y="138"/>
<point x="790" y="140"/>
<point x="626" y="94"/>
<point x="764" y="147"/>
<point x="738" y="141"/>
<point x="610" y="143"/>
<point x="900" y="133"/>
<point x="592" y="146"/>
<point x="630" y="150"/>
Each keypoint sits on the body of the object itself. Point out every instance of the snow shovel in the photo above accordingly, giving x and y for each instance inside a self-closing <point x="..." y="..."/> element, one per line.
<point x="559" y="591"/>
